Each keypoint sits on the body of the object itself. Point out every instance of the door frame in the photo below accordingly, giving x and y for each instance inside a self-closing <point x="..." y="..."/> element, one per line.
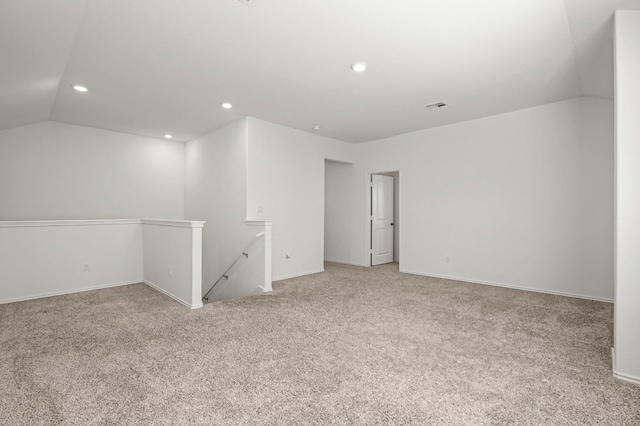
<point x="367" y="209"/>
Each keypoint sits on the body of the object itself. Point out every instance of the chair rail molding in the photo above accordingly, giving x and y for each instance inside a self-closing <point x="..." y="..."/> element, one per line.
<point x="46" y="223"/>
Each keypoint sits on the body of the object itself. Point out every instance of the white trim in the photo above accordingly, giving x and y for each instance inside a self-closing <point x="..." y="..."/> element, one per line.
<point x="176" y="298"/>
<point x="90" y="222"/>
<point x="177" y="223"/>
<point x="72" y="291"/>
<point x="45" y="223"/>
<point x="536" y="290"/>
<point x="258" y="222"/>
<point x="333" y="160"/>
<point x="344" y="262"/>
<point x="286" y="277"/>
<point x="196" y="267"/>
<point x="626" y="378"/>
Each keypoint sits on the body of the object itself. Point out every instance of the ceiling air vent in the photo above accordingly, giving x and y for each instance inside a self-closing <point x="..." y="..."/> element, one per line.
<point x="436" y="105"/>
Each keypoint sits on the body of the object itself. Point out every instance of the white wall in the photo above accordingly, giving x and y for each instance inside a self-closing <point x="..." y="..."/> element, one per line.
<point x="627" y="298"/>
<point x="47" y="258"/>
<point x="172" y="259"/>
<point x="215" y="191"/>
<point x="520" y="199"/>
<point x="286" y="182"/>
<point x="52" y="170"/>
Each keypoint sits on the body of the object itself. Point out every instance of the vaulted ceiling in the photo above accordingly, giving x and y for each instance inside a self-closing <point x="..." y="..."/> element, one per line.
<point x="165" y="66"/>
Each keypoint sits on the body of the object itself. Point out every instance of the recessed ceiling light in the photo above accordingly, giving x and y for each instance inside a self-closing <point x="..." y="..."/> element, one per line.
<point x="168" y="136"/>
<point x="359" y="66"/>
<point x="80" y="88"/>
<point x="316" y="128"/>
<point x="226" y="105"/>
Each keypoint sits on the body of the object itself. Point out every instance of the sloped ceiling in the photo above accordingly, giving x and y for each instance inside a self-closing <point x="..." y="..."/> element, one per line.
<point x="165" y="66"/>
<point x="36" y="41"/>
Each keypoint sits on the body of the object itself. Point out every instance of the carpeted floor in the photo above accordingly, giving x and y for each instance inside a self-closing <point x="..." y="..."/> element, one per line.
<point x="348" y="346"/>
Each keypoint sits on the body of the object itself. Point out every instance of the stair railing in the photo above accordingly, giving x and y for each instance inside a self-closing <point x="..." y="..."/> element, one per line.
<point x="225" y="274"/>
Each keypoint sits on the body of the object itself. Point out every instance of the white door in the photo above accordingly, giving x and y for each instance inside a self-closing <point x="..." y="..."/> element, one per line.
<point x="381" y="219"/>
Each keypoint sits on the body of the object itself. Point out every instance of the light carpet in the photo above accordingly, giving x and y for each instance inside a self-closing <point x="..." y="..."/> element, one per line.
<point x="348" y="346"/>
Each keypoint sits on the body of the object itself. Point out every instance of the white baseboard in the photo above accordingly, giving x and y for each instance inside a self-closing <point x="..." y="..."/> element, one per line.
<point x="537" y="290"/>
<point x="174" y="297"/>
<point x="343" y="262"/>
<point x="626" y="378"/>
<point x="75" y="290"/>
<point x="620" y="376"/>
<point x="297" y="275"/>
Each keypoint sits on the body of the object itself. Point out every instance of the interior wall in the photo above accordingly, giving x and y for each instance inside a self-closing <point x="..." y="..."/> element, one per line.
<point x="522" y="199"/>
<point x="286" y="185"/>
<point x="627" y="297"/>
<point x="172" y="259"/>
<point x="52" y="170"/>
<point x="51" y="258"/>
<point x="215" y="192"/>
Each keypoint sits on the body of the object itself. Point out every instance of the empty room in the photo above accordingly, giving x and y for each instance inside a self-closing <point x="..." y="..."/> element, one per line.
<point x="279" y="212"/>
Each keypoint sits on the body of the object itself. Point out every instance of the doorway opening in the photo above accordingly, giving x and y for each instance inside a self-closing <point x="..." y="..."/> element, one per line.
<point x="383" y="245"/>
<point x="339" y="191"/>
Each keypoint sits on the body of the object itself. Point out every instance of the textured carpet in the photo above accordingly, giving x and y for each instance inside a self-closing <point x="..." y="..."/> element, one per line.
<point x="348" y="346"/>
